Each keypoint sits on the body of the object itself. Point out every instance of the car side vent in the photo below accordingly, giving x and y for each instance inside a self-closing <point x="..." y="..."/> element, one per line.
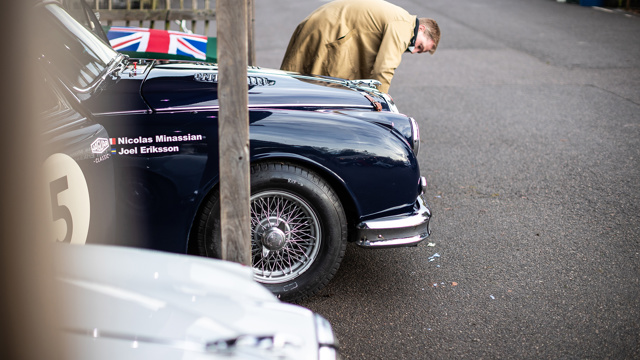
<point x="260" y="81"/>
<point x="206" y="77"/>
<point x="251" y="80"/>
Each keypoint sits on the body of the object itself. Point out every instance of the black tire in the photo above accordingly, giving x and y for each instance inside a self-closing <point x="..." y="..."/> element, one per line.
<point x="294" y="259"/>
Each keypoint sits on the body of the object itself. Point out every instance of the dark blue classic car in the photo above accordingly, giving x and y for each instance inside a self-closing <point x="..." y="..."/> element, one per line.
<point x="332" y="160"/>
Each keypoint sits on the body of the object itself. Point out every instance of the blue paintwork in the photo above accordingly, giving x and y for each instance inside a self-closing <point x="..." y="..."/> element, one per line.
<point x="336" y="132"/>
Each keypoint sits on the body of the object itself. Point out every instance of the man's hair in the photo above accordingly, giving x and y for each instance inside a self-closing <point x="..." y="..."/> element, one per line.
<point x="432" y="31"/>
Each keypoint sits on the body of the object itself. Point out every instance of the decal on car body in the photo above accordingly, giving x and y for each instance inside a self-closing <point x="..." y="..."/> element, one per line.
<point x="69" y="204"/>
<point x="99" y="146"/>
<point x="146" y="141"/>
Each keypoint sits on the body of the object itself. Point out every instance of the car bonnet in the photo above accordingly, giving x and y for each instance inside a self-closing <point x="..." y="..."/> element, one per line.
<point x="174" y="85"/>
<point x="171" y="300"/>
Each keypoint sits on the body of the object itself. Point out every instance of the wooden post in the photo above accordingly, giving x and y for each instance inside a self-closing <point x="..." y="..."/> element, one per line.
<point x="251" y="17"/>
<point x="233" y="130"/>
<point x="206" y="22"/>
<point x="167" y="23"/>
<point x="154" y="4"/>
<point x="194" y="5"/>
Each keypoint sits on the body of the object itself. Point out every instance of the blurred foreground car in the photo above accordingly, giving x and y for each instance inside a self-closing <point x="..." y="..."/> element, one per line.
<point x="124" y="303"/>
<point x="332" y="160"/>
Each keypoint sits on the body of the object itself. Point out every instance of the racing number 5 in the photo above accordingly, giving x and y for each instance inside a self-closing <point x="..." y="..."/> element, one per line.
<point x="61" y="211"/>
<point x="68" y="199"/>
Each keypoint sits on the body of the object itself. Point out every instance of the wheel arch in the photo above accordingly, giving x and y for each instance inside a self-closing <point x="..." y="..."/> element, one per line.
<point x="334" y="180"/>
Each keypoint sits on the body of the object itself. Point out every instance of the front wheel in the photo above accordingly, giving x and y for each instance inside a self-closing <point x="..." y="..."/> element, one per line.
<point x="298" y="230"/>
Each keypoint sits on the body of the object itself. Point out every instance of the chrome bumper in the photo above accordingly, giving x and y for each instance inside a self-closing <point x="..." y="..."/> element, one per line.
<point x="396" y="231"/>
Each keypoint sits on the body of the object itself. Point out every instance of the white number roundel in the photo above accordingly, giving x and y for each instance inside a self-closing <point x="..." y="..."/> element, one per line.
<point x="69" y="207"/>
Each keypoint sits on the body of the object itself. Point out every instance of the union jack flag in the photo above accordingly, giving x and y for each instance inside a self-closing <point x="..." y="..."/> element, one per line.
<point x="143" y="40"/>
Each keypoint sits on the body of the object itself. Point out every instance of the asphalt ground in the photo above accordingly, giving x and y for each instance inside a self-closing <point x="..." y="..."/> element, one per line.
<point x="530" y="120"/>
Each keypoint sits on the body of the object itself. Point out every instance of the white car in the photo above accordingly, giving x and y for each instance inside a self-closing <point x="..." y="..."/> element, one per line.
<point x="125" y="303"/>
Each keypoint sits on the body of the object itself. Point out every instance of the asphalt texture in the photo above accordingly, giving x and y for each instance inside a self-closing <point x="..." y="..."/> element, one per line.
<point x="530" y="120"/>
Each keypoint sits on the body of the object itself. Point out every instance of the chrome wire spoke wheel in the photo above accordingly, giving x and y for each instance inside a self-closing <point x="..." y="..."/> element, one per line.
<point x="298" y="229"/>
<point x="285" y="236"/>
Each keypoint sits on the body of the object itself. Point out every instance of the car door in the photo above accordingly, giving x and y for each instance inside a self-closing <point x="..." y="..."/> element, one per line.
<point x="78" y="176"/>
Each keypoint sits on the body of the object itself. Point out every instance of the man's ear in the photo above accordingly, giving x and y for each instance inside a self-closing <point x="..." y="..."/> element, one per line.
<point x="422" y="28"/>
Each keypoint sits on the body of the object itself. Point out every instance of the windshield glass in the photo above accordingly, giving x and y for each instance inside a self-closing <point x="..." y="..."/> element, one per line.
<point x="75" y="51"/>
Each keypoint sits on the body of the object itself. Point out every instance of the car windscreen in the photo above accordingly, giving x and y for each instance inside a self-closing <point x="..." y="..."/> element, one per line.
<point x="72" y="49"/>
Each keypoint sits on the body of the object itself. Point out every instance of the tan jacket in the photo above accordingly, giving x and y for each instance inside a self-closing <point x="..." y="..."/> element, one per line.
<point x="351" y="39"/>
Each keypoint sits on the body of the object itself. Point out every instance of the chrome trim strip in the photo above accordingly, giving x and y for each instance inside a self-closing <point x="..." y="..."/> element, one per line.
<point x="106" y="72"/>
<point x="370" y="83"/>
<point x="327" y="353"/>
<point x="415" y="135"/>
<point x="392" y="105"/>
<point x="324" y="332"/>
<point x="396" y="231"/>
<point x="337" y="106"/>
<point x="191" y="108"/>
<point x="266" y="106"/>
<point x="132" y="112"/>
